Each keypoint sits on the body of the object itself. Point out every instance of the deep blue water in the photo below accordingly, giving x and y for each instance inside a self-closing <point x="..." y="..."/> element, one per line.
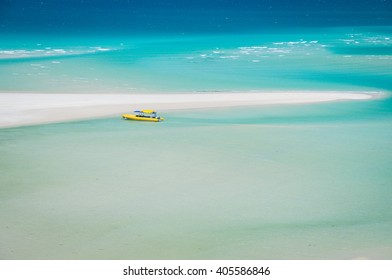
<point x="158" y="16"/>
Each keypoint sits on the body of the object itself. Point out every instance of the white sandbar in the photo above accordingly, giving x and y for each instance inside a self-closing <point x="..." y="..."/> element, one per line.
<point x="19" y="109"/>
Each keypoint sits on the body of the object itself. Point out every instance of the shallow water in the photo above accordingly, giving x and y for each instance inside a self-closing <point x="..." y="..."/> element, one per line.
<point x="269" y="182"/>
<point x="258" y="182"/>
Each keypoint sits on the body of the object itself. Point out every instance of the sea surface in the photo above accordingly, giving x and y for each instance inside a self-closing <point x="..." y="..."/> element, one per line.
<point x="258" y="182"/>
<point x="352" y="58"/>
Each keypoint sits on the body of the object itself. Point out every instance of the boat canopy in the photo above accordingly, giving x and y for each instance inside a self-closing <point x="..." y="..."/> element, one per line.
<point x="145" y="111"/>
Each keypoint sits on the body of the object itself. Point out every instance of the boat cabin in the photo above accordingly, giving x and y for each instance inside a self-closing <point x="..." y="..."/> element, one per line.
<point x="146" y="113"/>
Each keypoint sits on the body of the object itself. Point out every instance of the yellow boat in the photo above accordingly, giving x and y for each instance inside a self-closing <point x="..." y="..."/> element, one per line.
<point x="144" y="115"/>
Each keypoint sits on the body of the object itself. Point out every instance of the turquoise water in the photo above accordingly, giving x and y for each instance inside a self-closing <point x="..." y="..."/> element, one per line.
<point x="258" y="182"/>
<point x="324" y="58"/>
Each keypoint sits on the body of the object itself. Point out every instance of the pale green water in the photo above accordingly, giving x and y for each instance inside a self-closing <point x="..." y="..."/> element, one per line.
<point x="279" y="182"/>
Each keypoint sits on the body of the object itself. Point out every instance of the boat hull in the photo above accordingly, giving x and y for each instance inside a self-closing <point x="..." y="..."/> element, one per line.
<point x="137" y="118"/>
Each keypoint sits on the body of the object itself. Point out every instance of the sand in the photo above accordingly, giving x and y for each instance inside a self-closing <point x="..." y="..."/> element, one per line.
<point x="20" y="109"/>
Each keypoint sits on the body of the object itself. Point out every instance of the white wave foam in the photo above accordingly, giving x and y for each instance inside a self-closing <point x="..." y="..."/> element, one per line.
<point x="259" y="52"/>
<point x="48" y="52"/>
<point x="367" y="39"/>
<point x="101" y="49"/>
<point x="229" y="56"/>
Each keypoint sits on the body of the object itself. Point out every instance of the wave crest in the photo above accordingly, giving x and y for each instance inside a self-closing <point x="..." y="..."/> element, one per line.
<point x="50" y="52"/>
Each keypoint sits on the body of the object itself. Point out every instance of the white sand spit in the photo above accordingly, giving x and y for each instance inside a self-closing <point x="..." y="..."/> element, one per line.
<point x="18" y="109"/>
